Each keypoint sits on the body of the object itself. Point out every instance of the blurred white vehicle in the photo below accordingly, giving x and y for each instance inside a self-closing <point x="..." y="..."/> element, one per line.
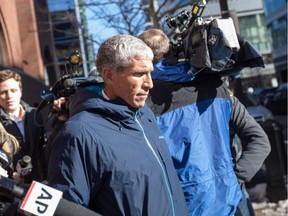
<point x="258" y="111"/>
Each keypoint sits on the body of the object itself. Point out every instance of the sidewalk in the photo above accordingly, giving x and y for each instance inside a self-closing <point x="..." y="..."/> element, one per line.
<point x="261" y="205"/>
<point x="271" y="209"/>
<point x="258" y="194"/>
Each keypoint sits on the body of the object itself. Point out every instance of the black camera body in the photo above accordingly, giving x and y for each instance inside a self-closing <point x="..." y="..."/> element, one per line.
<point x="207" y="45"/>
<point x="182" y="23"/>
<point x="178" y="20"/>
<point x="64" y="87"/>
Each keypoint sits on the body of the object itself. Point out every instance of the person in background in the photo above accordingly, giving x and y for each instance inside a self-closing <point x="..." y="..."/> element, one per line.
<point x="18" y="119"/>
<point x="197" y="115"/>
<point x="9" y="146"/>
<point x="158" y="41"/>
<point x="110" y="155"/>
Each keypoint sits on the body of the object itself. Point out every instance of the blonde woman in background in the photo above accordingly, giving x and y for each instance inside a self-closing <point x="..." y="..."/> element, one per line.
<point x="9" y="145"/>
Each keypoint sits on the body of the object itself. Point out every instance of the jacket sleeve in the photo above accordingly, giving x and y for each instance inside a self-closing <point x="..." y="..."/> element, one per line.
<point x="70" y="163"/>
<point x="255" y="144"/>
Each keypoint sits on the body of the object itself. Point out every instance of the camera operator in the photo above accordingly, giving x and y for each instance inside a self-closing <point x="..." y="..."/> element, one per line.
<point x="197" y="115"/>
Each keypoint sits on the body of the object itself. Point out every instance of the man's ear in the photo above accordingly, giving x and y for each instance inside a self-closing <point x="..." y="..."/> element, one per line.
<point x="107" y="75"/>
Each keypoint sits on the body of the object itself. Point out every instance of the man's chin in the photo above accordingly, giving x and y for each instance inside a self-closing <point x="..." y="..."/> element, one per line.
<point x="139" y="104"/>
<point x="11" y="109"/>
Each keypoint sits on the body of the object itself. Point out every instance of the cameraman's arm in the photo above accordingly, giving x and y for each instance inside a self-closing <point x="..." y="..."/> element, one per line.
<point x="60" y="120"/>
<point x="254" y="141"/>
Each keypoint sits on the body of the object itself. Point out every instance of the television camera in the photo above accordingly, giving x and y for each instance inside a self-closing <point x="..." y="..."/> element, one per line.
<point x="209" y="45"/>
<point x="65" y="86"/>
<point x="182" y="23"/>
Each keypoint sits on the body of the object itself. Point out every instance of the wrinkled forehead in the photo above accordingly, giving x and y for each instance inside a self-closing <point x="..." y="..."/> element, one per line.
<point x="137" y="63"/>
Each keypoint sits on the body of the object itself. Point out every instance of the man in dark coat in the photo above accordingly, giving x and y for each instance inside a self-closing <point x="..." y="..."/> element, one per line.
<point x="110" y="155"/>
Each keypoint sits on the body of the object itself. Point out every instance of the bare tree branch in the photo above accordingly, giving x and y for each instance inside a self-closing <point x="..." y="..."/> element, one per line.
<point x="125" y="16"/>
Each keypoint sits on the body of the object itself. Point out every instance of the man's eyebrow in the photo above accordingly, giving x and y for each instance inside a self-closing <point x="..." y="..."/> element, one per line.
<point x="139" y="71"/>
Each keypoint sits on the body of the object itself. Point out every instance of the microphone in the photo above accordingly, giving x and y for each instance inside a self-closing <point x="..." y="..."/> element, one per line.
<point x="24" y="166"/>
<point x="69" y="83"/>
<point x="42" y="200"/>
<point x="74" y="82"/>
<point x="68" y="208"/>
<point x="10" y="189"/>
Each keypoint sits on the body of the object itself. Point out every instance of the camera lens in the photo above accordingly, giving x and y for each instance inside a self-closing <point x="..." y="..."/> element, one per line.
<point x="171" y="22"/>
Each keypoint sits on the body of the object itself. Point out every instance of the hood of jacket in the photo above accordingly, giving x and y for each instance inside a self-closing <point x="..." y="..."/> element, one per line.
<point x="180" y="72"/>
<point x="91" y="99"/>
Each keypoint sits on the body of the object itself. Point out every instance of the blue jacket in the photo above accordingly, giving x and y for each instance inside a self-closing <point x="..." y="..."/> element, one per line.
<point x="113" y="159"/>
<point x="194" y="117"/>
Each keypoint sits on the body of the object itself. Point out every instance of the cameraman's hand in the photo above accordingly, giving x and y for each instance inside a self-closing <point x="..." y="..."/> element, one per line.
<point x="18" y="178"/>
<point x="58" y="105"/>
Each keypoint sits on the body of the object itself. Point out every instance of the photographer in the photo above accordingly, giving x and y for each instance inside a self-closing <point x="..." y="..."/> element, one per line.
<point x="197" y="115"/>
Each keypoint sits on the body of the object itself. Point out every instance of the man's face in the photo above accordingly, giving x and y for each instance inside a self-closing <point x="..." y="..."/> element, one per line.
<point x="134" y="83"/>
<point x="10" y="95"/>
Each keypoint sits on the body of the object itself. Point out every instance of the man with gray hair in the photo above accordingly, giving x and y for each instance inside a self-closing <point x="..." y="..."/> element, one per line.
<point x="110" y="155"/>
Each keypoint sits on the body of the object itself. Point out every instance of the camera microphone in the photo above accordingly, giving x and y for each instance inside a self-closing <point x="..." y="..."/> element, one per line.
<point x="73" y="82"/>
<point x="69" y="83"/>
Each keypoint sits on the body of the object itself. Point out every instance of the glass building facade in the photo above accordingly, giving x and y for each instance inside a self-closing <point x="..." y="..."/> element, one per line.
<point x="276" y="21"/>
<point x="69" y="28"/>
<point x="253" y="29"/>
<point x="250" y="23"/>
<point x="273" y="5"/>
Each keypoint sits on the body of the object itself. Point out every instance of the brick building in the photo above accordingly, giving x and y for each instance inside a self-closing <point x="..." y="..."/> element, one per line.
<point x="20" y="47"/>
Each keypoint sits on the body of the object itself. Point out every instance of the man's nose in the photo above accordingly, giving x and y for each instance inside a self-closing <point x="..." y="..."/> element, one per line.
<point x="9" y="94"/>
<point x="148" y="81"/>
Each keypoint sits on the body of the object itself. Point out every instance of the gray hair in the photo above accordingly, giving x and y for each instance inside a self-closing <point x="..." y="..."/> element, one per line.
<point x="118" y="51"/>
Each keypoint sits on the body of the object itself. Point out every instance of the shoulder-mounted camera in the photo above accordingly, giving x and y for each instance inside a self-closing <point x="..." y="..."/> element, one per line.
<point x="212" y="45"/>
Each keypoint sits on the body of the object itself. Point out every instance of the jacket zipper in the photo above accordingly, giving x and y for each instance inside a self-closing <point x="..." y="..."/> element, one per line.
<point x="161" y="165"/>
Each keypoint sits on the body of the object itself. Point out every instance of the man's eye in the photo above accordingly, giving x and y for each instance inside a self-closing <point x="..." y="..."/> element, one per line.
<point x="138" y="74"/>
<point x="14" y="90"/>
